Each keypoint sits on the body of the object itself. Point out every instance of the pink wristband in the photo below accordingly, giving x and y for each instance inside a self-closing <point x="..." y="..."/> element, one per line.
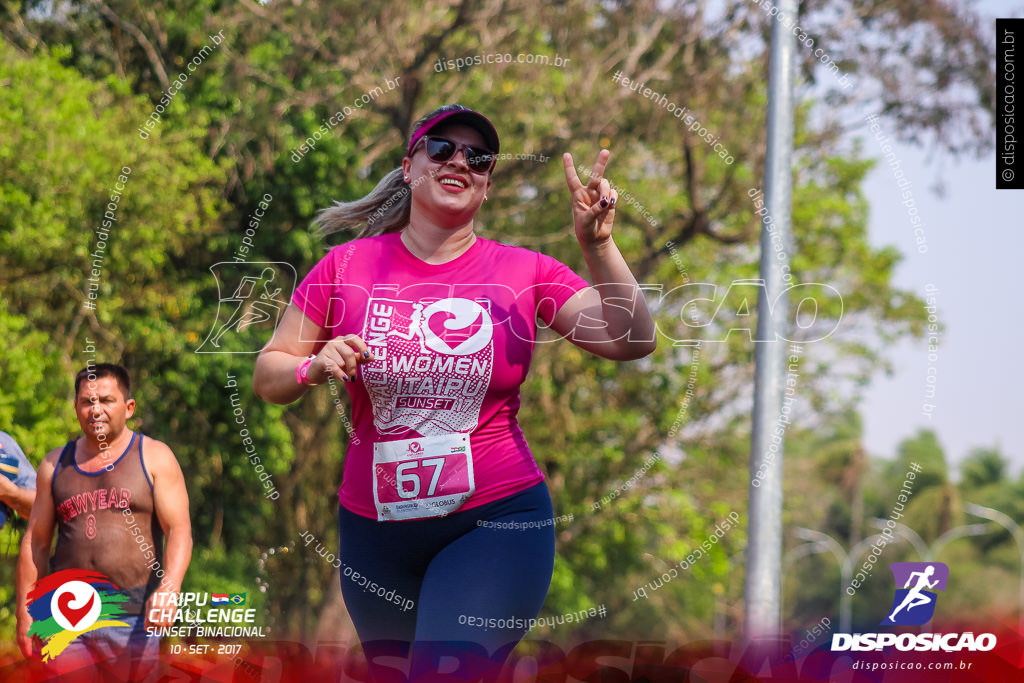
<point x="302" y="372"/>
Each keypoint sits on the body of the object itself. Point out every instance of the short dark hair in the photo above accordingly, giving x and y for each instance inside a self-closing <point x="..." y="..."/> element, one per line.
<point x="92" y="373"/>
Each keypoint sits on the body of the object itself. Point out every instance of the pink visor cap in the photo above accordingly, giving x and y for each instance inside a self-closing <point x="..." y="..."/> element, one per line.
<point x="463" y="115"/>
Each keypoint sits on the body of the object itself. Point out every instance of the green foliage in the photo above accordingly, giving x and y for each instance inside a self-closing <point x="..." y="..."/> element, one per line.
<point x="10" y="541"/>
<point x="837" y="490"/>
<point x="982" y="467"/>
<point x="924" y="450"/>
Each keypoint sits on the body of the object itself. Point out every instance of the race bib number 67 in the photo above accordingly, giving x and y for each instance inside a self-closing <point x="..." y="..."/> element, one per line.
<point x="430" y="476"/>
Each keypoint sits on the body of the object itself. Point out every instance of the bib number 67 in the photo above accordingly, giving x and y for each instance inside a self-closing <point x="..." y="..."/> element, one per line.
<point x="405" y="475"/>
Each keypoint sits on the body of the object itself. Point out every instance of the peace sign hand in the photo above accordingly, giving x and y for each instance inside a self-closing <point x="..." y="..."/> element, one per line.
<point x="593" y="204"/>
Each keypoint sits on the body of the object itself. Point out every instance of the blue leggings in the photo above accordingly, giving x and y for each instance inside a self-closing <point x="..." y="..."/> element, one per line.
<point x="447" y="598"/>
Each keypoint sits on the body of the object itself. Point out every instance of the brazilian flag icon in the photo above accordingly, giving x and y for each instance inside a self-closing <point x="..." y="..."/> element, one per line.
<point x="237" y="598"/>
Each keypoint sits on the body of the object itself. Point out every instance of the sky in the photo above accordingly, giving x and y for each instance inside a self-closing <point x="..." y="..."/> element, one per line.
<point x="975" y="240"/>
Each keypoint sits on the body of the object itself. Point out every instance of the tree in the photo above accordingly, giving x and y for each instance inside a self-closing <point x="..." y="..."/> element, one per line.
<point x="982" y="467"/>
<point x="90" y="209"/>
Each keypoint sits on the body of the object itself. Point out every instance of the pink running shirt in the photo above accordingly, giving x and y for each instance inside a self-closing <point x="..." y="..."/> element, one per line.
<point x="453" y="342"/>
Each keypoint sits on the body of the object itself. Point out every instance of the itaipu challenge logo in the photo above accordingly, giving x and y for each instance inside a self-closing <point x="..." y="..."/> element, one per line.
<point x="68" y="603"/>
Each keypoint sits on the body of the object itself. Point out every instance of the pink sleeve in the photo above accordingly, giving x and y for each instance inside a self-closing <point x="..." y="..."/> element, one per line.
<point x="556" y="283"/>
<point x="313" y="295"/>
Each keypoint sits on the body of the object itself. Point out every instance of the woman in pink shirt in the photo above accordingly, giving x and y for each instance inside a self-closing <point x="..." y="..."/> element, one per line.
<point x="447" y="536"/>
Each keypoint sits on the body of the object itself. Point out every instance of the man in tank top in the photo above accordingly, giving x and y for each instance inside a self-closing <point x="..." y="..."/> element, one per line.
<point x="118" y="503"/>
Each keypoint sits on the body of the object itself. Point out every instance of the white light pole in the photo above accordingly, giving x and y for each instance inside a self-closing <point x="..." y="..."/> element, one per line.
<point x="763" y="579"/>
<point x="955" y="533"/>
<point x="909" y="534"/>
<point x="1007" y="523"/>
<point x="846" y="561"/>
<point x="929" y="553"/>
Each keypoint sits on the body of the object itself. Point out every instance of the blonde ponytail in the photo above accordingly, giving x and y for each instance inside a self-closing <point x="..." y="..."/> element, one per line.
<point x="385" y="209"/>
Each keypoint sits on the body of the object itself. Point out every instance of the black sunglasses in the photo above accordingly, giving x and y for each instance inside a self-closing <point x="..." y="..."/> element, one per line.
<point x="440" y="150"/>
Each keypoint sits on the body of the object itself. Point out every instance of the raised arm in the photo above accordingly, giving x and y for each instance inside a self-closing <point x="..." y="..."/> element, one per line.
<point x="610" y="318"/>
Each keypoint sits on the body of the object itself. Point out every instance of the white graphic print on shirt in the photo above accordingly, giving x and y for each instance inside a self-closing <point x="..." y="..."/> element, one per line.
<point x="432" y="366"/>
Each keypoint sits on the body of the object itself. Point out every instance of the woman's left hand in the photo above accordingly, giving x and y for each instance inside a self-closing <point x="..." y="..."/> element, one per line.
<point x="593" y="204"/>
